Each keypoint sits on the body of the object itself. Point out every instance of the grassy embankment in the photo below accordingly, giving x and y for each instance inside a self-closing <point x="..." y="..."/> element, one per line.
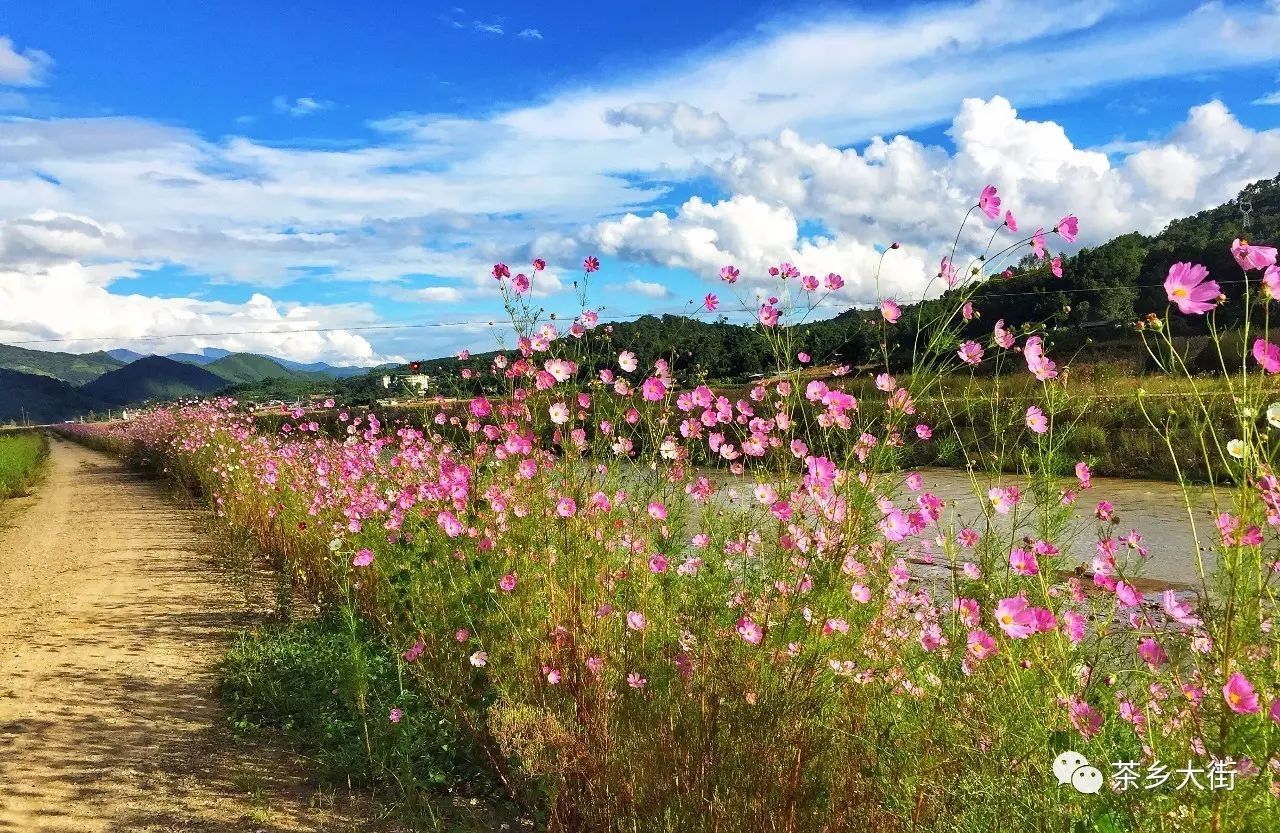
<point x="21" y="455"/>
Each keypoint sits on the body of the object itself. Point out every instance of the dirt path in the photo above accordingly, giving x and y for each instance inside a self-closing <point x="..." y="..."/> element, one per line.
<point x="110" y="621"/>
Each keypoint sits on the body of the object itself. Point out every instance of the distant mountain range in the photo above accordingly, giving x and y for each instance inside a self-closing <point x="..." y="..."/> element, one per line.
<point x="49" y="386"/>
<point x="212" y="354"/>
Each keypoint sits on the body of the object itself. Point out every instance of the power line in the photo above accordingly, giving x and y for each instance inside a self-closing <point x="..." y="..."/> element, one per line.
<point x="418" y="325"/>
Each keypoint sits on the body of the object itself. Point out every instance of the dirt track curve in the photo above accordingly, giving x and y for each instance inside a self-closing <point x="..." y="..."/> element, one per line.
<point x="111" y="618"/>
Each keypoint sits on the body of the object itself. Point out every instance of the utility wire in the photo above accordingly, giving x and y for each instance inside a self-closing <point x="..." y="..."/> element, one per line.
<point x="419" y="325"/>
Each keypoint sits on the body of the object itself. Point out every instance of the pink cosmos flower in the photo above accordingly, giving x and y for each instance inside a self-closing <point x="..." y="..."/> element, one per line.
<point x="1068" y="227"/>
<point x="1055" y="266"/>
<point x="539" y="264"/>
<point x="989" y="202"/>
<point x="768" y="315"/>
<point x="363" y="558"/>
<point x="1084" y="475"/>
<point x="1271" y="283"/>
<point x="461" y="635"/>
<point x="395" y="715"/>
<point x="967" y="312"/>
<point x="1037" y="244"/>
<point x="657" y="564"/>
<point x="947" y="271"/>
<point x="1073" y="626"/>
<point x="890" y="310"/>
<point x="833" y="281"/>
<point x="1037" y="421"/>
<point x="1015" y="618"/>
<point x="1003" y="337"/>
<point x="1039" y="365"/>
<point x="636" y="620"/>
<point x="970" y="353"/>
<point x="559" y="413"/>
<point x="980" y="644"/>
<point x="1267" y="355"/>
<point x="1086" y="719"/>
<point x="750" y="632"/>
<point x="803" y="357"/>
<point x="507" y="583"/>
<point x="710" y="302"/>
<point x="653" y="389"/>
<point x="521" y="283"/>
<point x="1010" y="222"/>
<point x="479" y="659"/>
<point x="729" y="274"/>
<point x="566" y="507"/>
<point x="1003" y="499"/>
<point x="924" y="432"/>
<point x="636" y="680"/>
<point x="591" y="264"/>
<point x="1239" y="694"/>
<point x="501" y="271"/>
<point x="1187" y="287"/>
<point x="1127" y="595"/>
<point x="1023" y="562"/>
<point x="1152" y="653"/>
<point x="1178" y="611"/>
<point x="415" y="651"/>
<point x="860" y="592"/>
<point x="1252" y="257"/>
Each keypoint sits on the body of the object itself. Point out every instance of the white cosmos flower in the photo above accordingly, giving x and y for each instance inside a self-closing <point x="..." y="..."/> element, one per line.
<point x="1236" y="449"/>
<point x="1273" y="414"/>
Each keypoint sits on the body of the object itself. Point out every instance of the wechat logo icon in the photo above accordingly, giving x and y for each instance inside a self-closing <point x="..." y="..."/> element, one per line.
<point x="1073" y="768"/>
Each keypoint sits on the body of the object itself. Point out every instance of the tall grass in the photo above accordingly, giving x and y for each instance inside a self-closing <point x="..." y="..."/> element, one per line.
<point x="21" y="455"/>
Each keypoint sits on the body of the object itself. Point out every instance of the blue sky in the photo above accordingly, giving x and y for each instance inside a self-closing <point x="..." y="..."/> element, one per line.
<point x="175" y="169"/>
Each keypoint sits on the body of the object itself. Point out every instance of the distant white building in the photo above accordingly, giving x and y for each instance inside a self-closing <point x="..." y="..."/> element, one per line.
<point x="419" y="382"/>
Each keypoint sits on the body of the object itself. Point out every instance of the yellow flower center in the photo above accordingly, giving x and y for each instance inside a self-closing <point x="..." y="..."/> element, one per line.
<point x="1180" y="292"/>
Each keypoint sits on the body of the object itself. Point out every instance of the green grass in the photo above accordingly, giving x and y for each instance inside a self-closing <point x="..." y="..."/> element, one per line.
<point x="328" y="685"/>
<point x="21" y="455"/>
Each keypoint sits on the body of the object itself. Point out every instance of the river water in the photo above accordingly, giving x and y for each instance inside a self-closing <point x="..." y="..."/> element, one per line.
<point x="1155" y="508"/>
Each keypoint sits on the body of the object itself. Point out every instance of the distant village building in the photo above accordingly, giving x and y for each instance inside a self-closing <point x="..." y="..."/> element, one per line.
<point x="417" y="382"/>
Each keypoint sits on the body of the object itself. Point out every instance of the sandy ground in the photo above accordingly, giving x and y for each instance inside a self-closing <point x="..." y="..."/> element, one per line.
<point x="112" y="615"/>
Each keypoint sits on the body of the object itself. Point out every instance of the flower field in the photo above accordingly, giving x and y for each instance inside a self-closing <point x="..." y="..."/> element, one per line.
<point x="654" y="607"/>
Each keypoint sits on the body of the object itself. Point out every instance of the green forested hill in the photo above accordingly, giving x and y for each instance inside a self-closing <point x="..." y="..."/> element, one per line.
<point x="75" y="368"/>
<point x="35" y="399"/>
<point x="239" y="368"/>
<point x="153" y="378"/>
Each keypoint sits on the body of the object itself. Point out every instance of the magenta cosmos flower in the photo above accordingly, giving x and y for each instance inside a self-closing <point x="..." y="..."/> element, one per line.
<point x="1239" y="694"/>
<point x="1015" y="618"/>
<point x="750" y="632"/>
<point x="1037" y="421"/>
<point x="989" y="202"/>
<point x="1268" y="355"/>
<point x="729" y="274"/>
<point x="1189" y="288"/>
<point x="890" y="310"/>
<point x="362" y="559"/>
<point x="1068" y="227"/>
<point x="1252" y="257"/>
<point x="970" y="352"/>
<point x="710" y="302"/>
